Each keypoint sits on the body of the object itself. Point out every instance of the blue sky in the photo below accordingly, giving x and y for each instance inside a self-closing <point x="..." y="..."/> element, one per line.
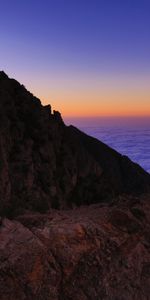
<point x="58" y="46"/>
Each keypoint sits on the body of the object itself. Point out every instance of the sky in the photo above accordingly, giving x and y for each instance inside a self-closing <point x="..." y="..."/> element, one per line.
<point x="85" y="58"/>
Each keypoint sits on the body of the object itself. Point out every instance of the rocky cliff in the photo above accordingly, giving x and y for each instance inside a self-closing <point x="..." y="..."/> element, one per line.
<point x="51" y="249"/>
<point x="45" y="164"/>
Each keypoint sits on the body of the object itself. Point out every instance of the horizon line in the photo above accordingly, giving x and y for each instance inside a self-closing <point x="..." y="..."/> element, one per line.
<point x="105" y="116"/>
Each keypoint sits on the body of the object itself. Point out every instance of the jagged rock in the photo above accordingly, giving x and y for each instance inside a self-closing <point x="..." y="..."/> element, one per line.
<point x="44" y="163"/>
<point x="57" y="116"/>
<point x="95" y="252"/>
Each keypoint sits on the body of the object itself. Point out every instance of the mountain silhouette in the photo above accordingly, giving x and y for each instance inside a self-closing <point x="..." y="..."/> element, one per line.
<point x="45" y="163"/>
<point x="74" y="213"/>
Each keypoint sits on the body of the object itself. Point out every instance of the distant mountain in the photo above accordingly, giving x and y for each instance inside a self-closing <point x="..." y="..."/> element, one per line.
<point x="44" y="163"/>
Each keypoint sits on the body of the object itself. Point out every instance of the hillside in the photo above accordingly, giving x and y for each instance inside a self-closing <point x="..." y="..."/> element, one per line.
<point x="74" y="213"/>
<point x="46" y="164"/>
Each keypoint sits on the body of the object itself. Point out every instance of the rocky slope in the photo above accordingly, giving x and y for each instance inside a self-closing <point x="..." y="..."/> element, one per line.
<point x="44" y="163"/>
<point x="97" y="252"/>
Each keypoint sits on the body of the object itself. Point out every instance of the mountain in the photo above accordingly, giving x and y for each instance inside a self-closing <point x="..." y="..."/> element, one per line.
<point x="45" y="164"/>
<point x="74" y="213"/>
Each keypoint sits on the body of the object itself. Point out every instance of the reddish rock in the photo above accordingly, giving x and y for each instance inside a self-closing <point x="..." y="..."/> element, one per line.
<point x="77" y="254"/>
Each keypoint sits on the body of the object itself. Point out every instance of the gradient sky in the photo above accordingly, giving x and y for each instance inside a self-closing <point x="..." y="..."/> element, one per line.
<point x="85" y="58"/>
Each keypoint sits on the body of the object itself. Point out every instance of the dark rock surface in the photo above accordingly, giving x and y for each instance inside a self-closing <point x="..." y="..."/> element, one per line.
<point x="44" y="163"/>
<point x="97" y="252"/>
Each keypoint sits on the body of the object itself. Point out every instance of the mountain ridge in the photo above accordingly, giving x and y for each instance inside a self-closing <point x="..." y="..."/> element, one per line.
<point x="74" y="213"/>
<point x="48" y="164"/>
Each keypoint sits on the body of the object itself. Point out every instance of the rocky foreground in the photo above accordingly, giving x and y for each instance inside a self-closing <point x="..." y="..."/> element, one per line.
<point x="74" y="213"/>
<point x="89" y="253"/>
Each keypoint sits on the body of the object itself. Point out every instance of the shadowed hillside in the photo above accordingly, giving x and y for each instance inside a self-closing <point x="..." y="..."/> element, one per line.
<point x="44" y="163"/>
<point x="94" y="252"/>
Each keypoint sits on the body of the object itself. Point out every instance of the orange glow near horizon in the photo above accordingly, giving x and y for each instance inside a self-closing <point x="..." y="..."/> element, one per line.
<point x="111" y="103"/>
<point x="81" y="96"/>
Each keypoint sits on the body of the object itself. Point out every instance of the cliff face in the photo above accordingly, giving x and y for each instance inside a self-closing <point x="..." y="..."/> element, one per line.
<point x="45" y="164"/>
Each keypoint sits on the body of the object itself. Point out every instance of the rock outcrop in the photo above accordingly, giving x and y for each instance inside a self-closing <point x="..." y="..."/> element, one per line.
<point x="97" y="252"/>
<point x="45" y="164"/>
